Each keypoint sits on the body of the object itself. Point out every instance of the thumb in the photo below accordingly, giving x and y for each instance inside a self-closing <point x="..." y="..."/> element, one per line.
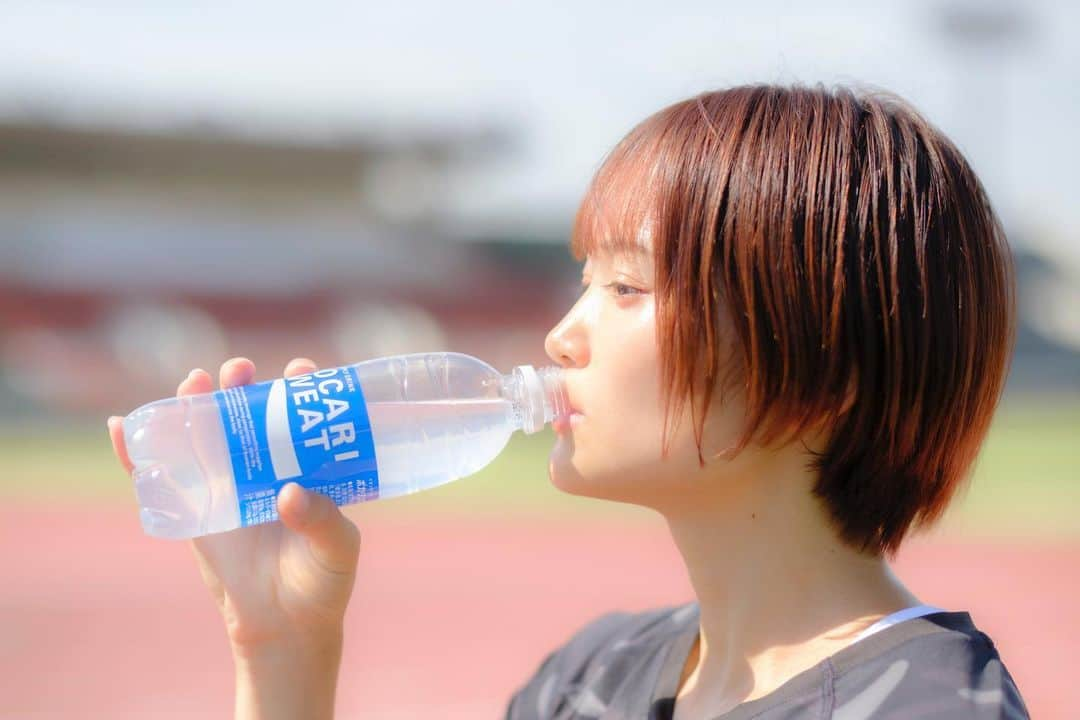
<point x="334" y="539"/>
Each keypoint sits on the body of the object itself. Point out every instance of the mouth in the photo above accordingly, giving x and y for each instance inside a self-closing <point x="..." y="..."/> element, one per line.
<point x="565" y="423"/>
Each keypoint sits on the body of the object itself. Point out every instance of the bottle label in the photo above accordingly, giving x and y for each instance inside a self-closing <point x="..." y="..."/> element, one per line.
<point x="310" y="429"/>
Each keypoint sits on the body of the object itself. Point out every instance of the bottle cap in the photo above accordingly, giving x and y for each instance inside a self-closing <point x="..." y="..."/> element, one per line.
<point x="533" y="394"/>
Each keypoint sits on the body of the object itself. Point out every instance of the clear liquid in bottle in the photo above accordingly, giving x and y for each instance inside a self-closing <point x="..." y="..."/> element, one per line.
<point x="381" y="428"/>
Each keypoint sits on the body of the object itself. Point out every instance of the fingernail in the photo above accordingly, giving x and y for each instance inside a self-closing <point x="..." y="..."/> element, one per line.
<point x="305" y="501"/>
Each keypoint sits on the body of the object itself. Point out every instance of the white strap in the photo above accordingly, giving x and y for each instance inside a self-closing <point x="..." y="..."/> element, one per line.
<point x="898" y="617"/>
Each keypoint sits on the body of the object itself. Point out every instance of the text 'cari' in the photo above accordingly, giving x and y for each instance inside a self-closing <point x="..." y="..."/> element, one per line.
<point x="313" y="397"/>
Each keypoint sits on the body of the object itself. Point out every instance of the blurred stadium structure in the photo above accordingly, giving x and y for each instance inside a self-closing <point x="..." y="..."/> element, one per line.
<point x="129" y="255"/>
<point x="128" y="258"/>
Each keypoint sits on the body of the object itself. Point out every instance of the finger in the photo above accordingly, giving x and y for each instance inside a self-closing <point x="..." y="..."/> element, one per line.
<point x="198" y="381"/>
<point x="300" y="366"/>
<point x="333" y="538"/>
<point x="116" y="435"/>
<point x="236" y="371"/>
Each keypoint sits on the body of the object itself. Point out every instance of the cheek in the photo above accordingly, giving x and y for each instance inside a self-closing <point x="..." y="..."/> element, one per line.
<point x="621" y="462"/>
<point x="620" y="437"/>
<point x="630" y="416"/>
<point x="616" y="454"/>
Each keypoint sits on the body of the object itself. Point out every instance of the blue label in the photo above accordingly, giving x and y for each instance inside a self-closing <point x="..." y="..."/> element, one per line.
<point x="310" y="429"/>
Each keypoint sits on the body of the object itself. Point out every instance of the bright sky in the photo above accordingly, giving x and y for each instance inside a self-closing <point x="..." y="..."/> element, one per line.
<point x="572" y="76"/>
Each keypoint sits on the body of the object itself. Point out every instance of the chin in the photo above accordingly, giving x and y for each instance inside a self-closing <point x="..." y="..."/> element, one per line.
<point x="562" y="472"/>
<point x="574" y="476"/>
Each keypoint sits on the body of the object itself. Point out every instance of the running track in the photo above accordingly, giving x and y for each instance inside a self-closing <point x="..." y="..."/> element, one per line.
<point x="447" y="619"/>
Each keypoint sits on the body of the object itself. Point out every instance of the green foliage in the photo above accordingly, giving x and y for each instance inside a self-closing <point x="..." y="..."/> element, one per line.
<point x="1026" y="480"/>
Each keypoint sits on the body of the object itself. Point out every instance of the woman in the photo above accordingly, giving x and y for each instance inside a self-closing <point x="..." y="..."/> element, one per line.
<point x="804" y="302"/>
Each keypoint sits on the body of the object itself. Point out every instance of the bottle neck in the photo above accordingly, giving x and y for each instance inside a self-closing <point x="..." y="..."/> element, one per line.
<point x="538" y="396"/>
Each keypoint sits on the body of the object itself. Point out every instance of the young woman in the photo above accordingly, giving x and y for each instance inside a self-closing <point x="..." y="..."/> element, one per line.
<point x="797" y="320"/>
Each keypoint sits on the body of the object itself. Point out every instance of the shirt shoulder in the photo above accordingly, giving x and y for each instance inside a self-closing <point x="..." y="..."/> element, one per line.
<point x="581" y="677"/>
<point x="939" y="665"/>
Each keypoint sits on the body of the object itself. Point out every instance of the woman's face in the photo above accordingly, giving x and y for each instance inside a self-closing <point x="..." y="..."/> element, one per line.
<point x="607" y="344"/>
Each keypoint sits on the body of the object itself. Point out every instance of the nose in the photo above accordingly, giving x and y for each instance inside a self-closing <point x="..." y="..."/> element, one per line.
<point x="566" y="343"/>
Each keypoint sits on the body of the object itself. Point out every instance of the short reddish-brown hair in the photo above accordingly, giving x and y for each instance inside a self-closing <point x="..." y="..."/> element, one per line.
<point x="854" y="253"/>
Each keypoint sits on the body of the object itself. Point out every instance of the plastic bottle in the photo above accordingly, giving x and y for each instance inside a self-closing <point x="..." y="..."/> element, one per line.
<point x="381" y="428"/>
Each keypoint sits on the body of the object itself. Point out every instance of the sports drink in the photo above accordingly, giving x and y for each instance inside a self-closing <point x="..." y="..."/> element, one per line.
<point x="381" y="428"/>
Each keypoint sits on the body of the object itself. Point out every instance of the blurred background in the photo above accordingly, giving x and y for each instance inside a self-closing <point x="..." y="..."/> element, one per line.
<point x="181" y="183"/>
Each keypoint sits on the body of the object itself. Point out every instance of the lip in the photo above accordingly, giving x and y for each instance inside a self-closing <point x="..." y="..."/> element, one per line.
<point x="565" y="423"/>
<point x="571" y="406"/>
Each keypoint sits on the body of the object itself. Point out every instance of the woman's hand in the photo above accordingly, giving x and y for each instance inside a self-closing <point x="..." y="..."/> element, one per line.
<point x="282" y="587"/>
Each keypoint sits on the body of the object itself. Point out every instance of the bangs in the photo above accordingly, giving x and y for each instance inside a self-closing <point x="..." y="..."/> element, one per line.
<point x="622" y="204"/>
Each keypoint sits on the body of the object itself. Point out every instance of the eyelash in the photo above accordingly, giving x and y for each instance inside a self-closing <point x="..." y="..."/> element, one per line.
<point x="616" y="285"/>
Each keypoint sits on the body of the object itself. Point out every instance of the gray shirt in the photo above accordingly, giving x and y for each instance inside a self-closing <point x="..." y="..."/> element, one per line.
<point x="628" y="665"/>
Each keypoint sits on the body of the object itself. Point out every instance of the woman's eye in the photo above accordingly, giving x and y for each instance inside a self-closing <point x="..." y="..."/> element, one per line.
<point x="619" y="288"/>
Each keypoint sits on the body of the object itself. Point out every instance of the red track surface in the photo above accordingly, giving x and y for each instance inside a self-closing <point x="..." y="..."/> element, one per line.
<point x="448" y="618"/>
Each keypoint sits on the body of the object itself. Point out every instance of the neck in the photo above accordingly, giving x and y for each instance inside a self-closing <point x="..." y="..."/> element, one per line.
<point x="778" y="590"/>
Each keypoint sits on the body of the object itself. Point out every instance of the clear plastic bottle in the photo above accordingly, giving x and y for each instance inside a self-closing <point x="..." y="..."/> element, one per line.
<point x="381" y="428"/>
